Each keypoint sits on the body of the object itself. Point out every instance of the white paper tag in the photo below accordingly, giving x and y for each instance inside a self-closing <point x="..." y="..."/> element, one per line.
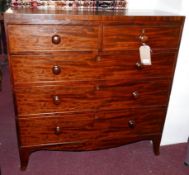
<point x="145" y="55"/>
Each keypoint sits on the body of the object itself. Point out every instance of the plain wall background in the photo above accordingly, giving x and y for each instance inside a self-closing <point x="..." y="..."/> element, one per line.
<point x="176" y="129"/>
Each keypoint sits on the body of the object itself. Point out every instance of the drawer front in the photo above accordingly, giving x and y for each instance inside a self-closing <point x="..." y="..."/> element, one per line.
<point x="85" y="96"/>
<point x="56" y="129"/>
<point x="88" y="66"/>
<point x="34" y="38"/>
<point x="141" y="120"/>
<point x="104" y="126"/>
<point x="130" y="37"/>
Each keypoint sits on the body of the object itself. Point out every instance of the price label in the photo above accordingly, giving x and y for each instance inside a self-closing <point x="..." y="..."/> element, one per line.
<point x="145" y="55"/>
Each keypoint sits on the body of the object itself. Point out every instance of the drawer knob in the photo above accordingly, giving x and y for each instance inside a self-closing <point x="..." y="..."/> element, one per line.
<point x="56" y="100"/>
<point x="56" y="39"/>
<point x="57" y="130"/>
<point x="56" y="69"/>
<point x="135" y="94"/>
<point x="98" y="58"/>
<point x="131" y="124"/>
<point x="97" y="87"/>
<point x="143" y="38"/>
<point x="139" y="65"/>
<point x="96" y="117"/>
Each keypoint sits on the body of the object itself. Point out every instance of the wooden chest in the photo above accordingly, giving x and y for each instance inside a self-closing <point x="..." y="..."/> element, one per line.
<point x="78" y="82"/>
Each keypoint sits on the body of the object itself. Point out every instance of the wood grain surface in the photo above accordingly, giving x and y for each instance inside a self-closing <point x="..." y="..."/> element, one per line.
<point x="128" y="37"/>
<point x="86" y="96"/>
<point x="90" y="126"/>
<point x="89" y="66"/>
<point x="78" y="82"/>
<point x="26" y="38"/>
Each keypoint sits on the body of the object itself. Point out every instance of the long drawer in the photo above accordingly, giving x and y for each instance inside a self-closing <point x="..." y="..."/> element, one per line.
<point x="85" y="96"/>
<point x="39" y="38"/>
<point x="131" y="37"/>
<point x="84" y="127"/>
<point x="88" y="66"/>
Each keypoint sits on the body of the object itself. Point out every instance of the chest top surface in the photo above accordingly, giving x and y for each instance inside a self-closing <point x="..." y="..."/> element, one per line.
<point x="41" y="16"/>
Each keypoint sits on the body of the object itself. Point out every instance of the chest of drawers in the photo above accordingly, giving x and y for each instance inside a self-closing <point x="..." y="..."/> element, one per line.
<point x="78" y="83"/>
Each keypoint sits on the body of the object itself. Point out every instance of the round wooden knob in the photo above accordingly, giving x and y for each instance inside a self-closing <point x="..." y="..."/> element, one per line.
<point x="97" y="87"/>
<point x="57" y="130"/>
<point x="56" y="69"/>
<point x="56" y="100"/>
<point x="96" y="117"/>
<point x="135" y="94"/>
<point x="139" y="66"/>
<point x="98" y="58"/>
<point x="143" y="38"/>
<point x="56" y="39"/>
<point x="131" y="123"/>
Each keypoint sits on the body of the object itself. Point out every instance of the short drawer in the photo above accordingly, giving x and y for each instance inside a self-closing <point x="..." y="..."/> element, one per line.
<point x="86" y="96"/>
<point x="57" y="128"/>
<point x="38" y="38"/>
<point x="89" y="66"/>
<point x="106" y="127"/>
<point x="137" y="121"/>
<point x="131" y="37"/>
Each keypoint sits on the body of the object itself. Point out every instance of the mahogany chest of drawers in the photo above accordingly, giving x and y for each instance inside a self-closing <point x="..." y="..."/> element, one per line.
<point x="78" y="82"/>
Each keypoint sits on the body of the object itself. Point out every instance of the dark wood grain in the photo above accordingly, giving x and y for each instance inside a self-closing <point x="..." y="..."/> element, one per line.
<point x="105" y="126"/>
<point x="125" y="37"/>
<point x="39" y="38"/>
<point x="92" y="96"/>
<point x="50" y="16"/>
<point x="88" y="66"/>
